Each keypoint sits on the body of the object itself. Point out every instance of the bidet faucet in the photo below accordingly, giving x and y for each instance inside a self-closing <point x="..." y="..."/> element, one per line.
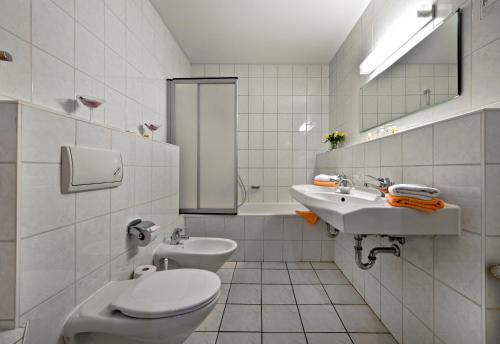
<point x="382" y="186"/>
<point x="176" y="236"/>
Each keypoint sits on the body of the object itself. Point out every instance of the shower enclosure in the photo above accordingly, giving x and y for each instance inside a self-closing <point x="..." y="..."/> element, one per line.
<point x="202" y="120"/>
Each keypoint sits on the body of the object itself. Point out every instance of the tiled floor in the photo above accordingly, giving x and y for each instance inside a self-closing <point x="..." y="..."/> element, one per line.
<point x="289" y="303"/>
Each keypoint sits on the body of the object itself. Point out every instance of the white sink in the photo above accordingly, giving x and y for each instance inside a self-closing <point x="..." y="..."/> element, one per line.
<point x="196" y="253"/>
<point x="364" y="211"/>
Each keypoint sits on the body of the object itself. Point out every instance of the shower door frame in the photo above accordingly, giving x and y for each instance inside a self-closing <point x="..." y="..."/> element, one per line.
<point x="171" y="136"/>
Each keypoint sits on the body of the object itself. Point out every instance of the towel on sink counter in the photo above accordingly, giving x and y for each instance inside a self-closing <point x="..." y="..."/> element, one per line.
<point x="421" y="192"/>
<point x="320" y="183"/>
<point x="428" y="206"/>
<point x="326" y="178"/>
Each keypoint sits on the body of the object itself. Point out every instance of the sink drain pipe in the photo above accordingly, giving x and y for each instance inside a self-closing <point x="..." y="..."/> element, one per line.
<point x="372" y="256"/>
<point x="331" y="231"/>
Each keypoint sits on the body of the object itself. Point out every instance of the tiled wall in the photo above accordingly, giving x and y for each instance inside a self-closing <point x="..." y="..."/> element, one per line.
<point x="8" y="201"/>
<point x="116" y="50"/>
<point x="266" y="238"/>
<point x="283" y="114"/>
<point x="438" y="291"/>
<point x="480" y="70"/>
<point x="72" y="244"/>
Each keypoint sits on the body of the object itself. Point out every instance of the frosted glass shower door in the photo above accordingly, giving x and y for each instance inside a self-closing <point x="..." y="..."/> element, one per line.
<point x="217" y="141"/>
<point x="186" y="137"/>
<point x="202" y="122"/>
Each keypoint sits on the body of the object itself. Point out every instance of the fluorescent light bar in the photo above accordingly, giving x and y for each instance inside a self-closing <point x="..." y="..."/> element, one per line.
<point x="402" y="32"/>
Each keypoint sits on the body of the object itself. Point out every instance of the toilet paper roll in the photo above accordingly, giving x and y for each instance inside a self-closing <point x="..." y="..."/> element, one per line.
<point x="148" y="235"/>
<point x="144" y="269"/>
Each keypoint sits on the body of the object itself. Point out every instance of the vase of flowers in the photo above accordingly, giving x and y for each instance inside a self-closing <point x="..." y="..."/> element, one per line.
<point x="336" y="139"/>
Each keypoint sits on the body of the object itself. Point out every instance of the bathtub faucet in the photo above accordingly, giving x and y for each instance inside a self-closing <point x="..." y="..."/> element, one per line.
<point x="176" y="236"/>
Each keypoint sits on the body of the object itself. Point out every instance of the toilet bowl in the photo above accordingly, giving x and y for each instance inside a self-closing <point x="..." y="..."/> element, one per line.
<point x="195" y="252"/>
<point x="162" y="307"/>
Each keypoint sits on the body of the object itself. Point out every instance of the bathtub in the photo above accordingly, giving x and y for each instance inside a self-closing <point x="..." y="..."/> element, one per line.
<point x="267" y="232"/>
<point x="270" y="209"/>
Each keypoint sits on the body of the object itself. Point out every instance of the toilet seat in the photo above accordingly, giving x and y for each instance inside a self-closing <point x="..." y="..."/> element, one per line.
<point x="168" y="293"/>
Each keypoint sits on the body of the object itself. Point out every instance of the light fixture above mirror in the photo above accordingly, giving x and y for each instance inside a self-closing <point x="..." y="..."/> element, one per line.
<point x="403" y="32"/>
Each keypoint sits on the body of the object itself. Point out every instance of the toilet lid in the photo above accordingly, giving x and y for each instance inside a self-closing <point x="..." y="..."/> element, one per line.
<point x="168" y="293"/>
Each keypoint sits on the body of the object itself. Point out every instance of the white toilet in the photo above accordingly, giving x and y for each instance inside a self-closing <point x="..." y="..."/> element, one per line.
<point x="161" y="307"/>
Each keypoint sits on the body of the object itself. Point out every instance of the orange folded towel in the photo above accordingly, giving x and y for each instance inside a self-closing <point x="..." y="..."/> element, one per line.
<point x="310" y="217"/>
<point x="429" y="206"/>
<point x="320" y="183"/>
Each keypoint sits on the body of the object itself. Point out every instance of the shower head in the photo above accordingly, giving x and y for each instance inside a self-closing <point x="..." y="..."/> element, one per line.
<point x="5" y="56"/>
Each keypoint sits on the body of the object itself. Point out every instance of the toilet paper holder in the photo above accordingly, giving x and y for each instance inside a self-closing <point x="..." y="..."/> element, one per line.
<point x="140" y="229"/>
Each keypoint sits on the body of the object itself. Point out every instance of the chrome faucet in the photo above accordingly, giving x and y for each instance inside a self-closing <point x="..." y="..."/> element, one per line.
<point x="382" y="186"/>
<point x="176" y="236"/>
<point x="344" y="185"/>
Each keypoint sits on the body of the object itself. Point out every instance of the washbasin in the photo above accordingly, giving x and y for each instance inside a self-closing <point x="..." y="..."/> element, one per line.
<point x="195" y="252"/>
<point x="365" y="211"/>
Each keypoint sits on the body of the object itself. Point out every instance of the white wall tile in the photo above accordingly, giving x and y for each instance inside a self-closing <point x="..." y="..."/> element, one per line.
<point x="90" y="13"/>
<point x="492" y="142"/>
<point x="8" y="276"/>
<point x="120" y="241"/>
<point x="115" y="72"/>
<point x="418" y="293"/>
<point x="254" y="250"/>
<point x="492" y="193"/>
<point x="449" y="148"/>
<point x="43" y="206"/>
<point x="53" y="82"/>
<point x="8" y="195"/>
<point x="16" y="71"/>
<point x="485" y="85"/>
<point x="492" y="333"/>
<point x="273" y="251"/>
<point x="44" y="134"/>
<point x="458" y="263"/>
<point x="372" y="154"/>
<point x="16" y="17"/>
<point x="458" y="320"/>
<point x="8" y="134"/>
<point x="456" y="188"/>
<point x="118" y="7"/>
<point x="392" y="314"/>
<point x="92" y="136"/>
<point x="53" y="30"/>
<point x="92" y="203"/>
<point x="91" y="283"/>
<point x="86" y="86"/>
<point x="414" y="331"/>
<point x="47" y="266"/>
<point x="47" y="320"/>
<point x="92" y="245"/>
<point x="417" y="147"/>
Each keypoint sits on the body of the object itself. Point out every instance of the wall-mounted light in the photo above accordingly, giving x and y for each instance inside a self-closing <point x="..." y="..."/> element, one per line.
<point x="403" y="34"/>
<point x="5" y="56"/>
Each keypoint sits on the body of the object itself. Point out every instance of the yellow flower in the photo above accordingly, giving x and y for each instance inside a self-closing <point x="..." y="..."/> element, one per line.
<point x="335" y="133"/>
<point x="342" y="134"/>
<point x="327" y="136"/>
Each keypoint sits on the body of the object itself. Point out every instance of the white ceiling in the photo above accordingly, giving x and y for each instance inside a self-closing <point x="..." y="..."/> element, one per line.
<point x="260" y="31"/>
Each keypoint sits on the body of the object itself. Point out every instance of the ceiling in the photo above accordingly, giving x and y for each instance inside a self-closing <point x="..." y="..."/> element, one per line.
<point x="260" y="31"/>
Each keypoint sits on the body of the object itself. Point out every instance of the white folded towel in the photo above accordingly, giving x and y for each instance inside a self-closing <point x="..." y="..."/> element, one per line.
<point x="414" y="190"/>
<point x="326" y="178"/>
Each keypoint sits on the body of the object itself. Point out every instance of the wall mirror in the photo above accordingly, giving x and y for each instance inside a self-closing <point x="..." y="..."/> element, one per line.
<point x="427" y="75"/>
